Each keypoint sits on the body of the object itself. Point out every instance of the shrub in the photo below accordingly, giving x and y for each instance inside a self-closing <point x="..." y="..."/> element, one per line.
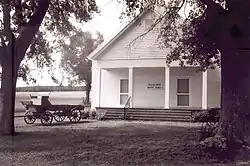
<point x="85" y="114"/>
<point x="99" y="114"/>
<point x="216" y="146"/>
<point x="209" y="119"/>
<point x="93" y="114"/>
<point x="209" y="115"/>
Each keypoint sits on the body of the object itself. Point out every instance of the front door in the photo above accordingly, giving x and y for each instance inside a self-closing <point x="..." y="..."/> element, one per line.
<point x="183" y="92"/>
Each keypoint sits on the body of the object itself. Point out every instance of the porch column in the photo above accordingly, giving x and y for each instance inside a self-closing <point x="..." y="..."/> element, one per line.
<point x="167" y="83"/>
<point x="99" y="86"/>
<point x="204" y="90"/>
<point x="130" y="85"/>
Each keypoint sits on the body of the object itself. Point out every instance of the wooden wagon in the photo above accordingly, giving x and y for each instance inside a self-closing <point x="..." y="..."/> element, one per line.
<point x="46" y="112"/>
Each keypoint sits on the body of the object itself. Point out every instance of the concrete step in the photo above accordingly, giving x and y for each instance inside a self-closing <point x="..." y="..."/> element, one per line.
<point x="162" y="119"/>
<point x="149" y="119"/>
<point x="151" y="113"/>
<point x="159" y="116"/>
<point x="148" y="114"/>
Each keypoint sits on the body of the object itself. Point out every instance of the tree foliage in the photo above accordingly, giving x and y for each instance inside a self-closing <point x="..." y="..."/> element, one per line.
<point x="74" y="55"/>
<point x="57" y="22"/>
<point x="50" y="88"/>
<point x="22" y="28"/>
<point x="187" y="37"/>
<point x="213" y="33"/>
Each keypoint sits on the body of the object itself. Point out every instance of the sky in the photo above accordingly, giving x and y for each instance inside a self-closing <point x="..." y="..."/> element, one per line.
<point x="107" y="22"/>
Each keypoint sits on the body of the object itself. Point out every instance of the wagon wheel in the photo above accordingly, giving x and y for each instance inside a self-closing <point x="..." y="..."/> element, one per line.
<point x="29" y="117"/>
<point x="46" y="118"/>
<point x="75" y="115"/>
<point x="59" y="116"/>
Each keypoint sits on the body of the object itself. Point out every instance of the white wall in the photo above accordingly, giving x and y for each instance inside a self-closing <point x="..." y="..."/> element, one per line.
<point x="214" y="87"/>
<point x="143" y="97"/>
<point x="145" y="47"/>
<point x="110" y="86"/>
<point x="195" y="85"/>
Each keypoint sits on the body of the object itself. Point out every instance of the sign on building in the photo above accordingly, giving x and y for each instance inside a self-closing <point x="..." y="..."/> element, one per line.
<point x="155" y="86"/>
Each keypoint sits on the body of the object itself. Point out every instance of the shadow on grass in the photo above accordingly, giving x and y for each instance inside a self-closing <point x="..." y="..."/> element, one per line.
<point x="130" y="144"/>
<point x="64" y="123"/>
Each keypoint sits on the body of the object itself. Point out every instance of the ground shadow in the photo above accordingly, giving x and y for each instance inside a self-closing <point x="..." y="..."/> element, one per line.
<point x="107" y="144"/>
<point x="64" y="123"/>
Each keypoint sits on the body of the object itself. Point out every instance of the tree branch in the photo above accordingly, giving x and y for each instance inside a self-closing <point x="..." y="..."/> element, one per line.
<point x="28" y="31"/>
<point x="211" y="4"/>
<point x="172" y="9"/>
<point x="2" y="39"/>
<point x="231" y="3"/>
<point x="58" y="8"/>
<point x="18" y="12"/>
<point x="2" y="47"/>
<point x="208" y="3"/>
<point x="150" y="29"/>
<point x="6" y="19"/>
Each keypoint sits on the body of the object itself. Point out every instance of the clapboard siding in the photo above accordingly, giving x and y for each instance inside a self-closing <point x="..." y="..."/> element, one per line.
<point x="146" y="46"/>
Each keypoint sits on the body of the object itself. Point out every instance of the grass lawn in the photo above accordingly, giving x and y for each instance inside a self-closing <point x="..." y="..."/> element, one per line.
<point x="103" y="143"/>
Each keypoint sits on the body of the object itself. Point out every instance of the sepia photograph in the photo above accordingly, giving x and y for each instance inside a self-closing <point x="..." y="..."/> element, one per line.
<point x="124" y="82"/>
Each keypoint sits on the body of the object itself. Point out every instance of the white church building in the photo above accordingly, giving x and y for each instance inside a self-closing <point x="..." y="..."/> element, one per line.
<point x="140" y="74"/>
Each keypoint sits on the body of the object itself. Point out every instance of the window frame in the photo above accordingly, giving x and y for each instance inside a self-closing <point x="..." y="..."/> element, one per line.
<point x="147" y="27"/>
<point x="122" y="94"/>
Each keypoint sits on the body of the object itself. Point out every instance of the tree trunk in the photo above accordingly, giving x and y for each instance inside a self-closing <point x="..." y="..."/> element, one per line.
<point x="11" y="58"/>
<point x="88" y="89"/>
<point x="8" y="90"/>
<point x="7" y="103"/>
<point x="235" y="84"/>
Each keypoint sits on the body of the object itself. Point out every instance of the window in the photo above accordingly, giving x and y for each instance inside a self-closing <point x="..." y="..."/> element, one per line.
<point x="148" y="23"/>
<point x="182" y="92"/>
<point x="123" y="91"/>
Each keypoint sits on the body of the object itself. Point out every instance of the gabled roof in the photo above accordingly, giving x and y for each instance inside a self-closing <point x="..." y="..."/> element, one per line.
<point x="108" y="42"/>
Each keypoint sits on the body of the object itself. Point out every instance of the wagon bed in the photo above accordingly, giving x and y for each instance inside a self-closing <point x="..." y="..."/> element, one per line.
<point x="56" y="107"/>
<point x="46" y="112"/>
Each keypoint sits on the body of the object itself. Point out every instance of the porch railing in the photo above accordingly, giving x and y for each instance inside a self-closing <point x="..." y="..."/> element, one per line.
<point x="126" y="108"/>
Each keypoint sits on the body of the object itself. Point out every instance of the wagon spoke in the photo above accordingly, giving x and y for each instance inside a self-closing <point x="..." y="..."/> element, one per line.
<point x="29" y="117"/>
<point x="46" y="118"/>
<point x="59" y="116"/>
<point x="75" y="115"/>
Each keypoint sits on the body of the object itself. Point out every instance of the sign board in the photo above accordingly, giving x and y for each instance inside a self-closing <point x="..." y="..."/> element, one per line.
<point x="155" y="86"/>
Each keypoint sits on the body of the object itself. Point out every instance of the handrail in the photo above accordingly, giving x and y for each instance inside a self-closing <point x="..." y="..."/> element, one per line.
<point x="126" y="108"/>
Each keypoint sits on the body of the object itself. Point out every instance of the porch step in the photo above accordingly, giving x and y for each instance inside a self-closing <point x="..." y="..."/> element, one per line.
<point x="147" y="114"/>
<point x="132" y="113"/>
<point x="149" y="119"/>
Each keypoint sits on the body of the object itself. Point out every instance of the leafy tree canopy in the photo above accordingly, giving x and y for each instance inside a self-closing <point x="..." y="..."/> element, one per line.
<point x="193" y="39"/>
<point x="23" y="14"/>
<point x="74" y="55"/>
<point x="213" y="33"/>
<point x="74" y="58"/>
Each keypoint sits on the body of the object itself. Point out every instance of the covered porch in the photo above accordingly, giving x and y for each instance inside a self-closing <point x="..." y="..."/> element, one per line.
<point x="154" y="87"/>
